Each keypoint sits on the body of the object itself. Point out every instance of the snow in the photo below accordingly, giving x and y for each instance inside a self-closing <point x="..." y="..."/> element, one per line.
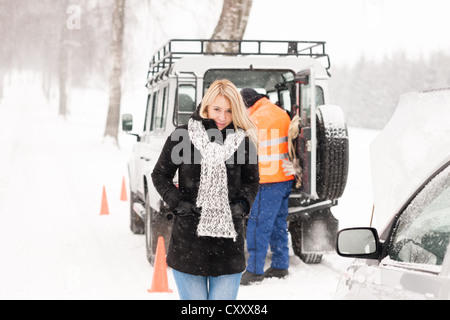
<point x="55" y="244"/>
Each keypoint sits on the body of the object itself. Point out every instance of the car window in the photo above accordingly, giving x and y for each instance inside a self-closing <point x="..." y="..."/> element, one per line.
<point x="148" y="113"/>
<point x="305" y="100"/>
<point x="422" y="233"/>
<point x="162" y="119"/>
<point x="320" y="97"/>
<point x="159" y="108"/>
<point x="186" y="103"/>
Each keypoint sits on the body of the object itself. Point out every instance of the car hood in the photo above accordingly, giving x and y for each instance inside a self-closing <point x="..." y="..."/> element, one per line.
<point x="414" y="144"/>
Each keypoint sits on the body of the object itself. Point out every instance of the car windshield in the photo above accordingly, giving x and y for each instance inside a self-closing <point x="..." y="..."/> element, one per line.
<point x="423" y="232"/>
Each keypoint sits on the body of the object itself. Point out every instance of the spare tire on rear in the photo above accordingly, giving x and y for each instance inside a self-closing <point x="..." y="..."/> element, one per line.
<point x="332" y="152"/>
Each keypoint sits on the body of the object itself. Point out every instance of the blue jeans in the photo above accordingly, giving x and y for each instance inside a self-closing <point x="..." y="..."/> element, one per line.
<point x="267" y="225"/>
<point x="192" y="287"/>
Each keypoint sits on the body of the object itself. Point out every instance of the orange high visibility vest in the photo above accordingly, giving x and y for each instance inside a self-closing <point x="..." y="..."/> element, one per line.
<point x="273" y="126"/>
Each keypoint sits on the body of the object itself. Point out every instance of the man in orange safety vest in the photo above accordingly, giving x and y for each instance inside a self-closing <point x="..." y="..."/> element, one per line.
<point x="267" y="223"/>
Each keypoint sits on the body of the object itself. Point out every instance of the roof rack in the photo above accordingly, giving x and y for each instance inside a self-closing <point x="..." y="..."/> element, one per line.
<point x="176" y="49"/>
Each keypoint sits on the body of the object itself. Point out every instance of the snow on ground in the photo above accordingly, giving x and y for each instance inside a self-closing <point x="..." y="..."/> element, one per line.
<point x="54" y="243"/>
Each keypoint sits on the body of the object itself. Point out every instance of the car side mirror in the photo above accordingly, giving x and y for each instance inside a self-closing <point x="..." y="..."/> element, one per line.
<point x="363" y="243"/>
<point x="127" y="122"/>
<point x="127" y="126"/>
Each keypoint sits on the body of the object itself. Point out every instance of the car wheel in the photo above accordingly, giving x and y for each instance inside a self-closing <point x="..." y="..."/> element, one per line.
<point x="137" y="225"/>
<point x="332" y="152"/>
<point x="150" y="241"/>
<point x="295" y="228"/>
<point x="156" y="225"/>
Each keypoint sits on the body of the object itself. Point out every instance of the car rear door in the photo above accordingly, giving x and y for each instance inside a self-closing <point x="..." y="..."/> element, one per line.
<point x="305" y="93"/>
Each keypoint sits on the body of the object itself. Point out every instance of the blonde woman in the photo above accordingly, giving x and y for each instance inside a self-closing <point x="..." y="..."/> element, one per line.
<point x="215" y="155"/>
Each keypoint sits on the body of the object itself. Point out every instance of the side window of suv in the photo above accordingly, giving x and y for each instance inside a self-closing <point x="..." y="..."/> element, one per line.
<point x="159" y="109"/>
<point x="186" y="104"/>
<point x="153" y="103"/>
<point x="422" y="233"/>
<point x="147" y="110"/>
<point x="305" y="98"/>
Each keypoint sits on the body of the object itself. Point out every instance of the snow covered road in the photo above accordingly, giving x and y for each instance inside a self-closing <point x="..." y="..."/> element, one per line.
<point x="55" y="245"/>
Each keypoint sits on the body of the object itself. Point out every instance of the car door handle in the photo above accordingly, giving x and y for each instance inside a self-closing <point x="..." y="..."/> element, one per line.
<point x="146" y="159"/>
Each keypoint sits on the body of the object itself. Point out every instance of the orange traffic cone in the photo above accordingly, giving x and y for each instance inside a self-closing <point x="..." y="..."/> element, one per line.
<point x="104" y="210"/>
<point x="160" y="282"/>
<point x="123" y="193"/>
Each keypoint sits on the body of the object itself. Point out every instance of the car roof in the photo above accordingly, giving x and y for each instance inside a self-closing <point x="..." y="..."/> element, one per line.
<point x="200" y="64"/>
<point x="410" y="149"/>
<point x="214" y="51"/>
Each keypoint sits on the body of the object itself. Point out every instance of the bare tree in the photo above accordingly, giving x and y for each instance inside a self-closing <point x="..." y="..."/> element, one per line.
<point x="3" y="49"/>
<point x="231" y="26"/>
<point x="115" y="92"/>
<point x="63" y="70"/>
<point x="69" y="24"/>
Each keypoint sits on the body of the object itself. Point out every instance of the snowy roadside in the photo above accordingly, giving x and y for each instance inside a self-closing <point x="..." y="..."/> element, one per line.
<point x="54" y="243"/>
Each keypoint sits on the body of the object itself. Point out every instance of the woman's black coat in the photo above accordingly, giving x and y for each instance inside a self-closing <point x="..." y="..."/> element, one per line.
<point x="189" y="253"/>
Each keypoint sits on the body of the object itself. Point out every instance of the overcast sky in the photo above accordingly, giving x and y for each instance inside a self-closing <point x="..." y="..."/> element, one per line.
<point x="355" y="27"/>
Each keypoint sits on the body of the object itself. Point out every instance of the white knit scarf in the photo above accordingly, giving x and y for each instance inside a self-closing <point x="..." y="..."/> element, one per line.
<point x="216" y="219"/>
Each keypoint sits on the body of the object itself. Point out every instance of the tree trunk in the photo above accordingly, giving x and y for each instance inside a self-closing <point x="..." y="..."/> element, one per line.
<point x="231" y="26"/>
<point x="63" y="72"/>
<point x="118" y="26"/>
<point x="2" y="81"/>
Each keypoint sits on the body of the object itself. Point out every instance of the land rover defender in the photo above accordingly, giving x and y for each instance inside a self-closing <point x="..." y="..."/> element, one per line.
<point x="294" y="75"/>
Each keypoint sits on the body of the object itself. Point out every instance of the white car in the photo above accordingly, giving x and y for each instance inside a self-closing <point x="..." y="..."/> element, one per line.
<point x="411" y="181"/>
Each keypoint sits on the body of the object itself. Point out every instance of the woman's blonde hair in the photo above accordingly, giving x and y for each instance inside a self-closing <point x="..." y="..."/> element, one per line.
<point x="229" y="91"/>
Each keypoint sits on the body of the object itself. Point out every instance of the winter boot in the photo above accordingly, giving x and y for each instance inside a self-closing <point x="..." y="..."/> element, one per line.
<point x="249" y="278"/>
<point x="276" y="273"/>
